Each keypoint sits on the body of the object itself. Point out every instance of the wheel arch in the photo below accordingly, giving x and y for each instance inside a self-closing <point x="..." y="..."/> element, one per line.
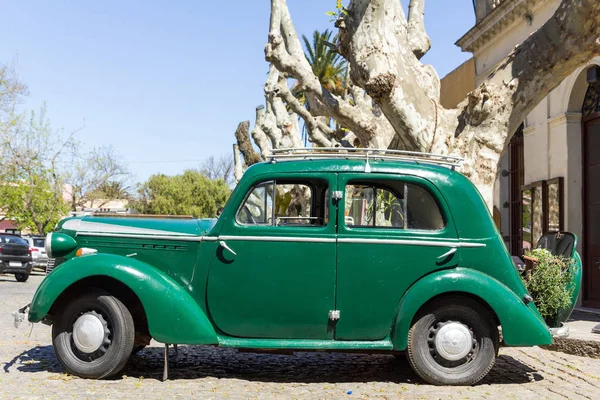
<point x="115" y="288"/>
<point x="521" y="324"/>
<point x="449" y="295"/>
<point x="172" y="315"/>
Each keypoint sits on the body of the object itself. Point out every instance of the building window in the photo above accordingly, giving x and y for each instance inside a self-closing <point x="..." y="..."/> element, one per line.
<point x="591" y="104"/>
<point x="554" y="204"/>
<point x="542" y="210"/>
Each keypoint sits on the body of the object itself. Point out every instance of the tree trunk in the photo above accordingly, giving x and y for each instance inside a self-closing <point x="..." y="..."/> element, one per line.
<point x="394" y="100"/>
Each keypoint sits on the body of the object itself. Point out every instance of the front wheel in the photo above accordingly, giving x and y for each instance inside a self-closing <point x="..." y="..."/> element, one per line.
<point x="21" y="277"/>
<point x="93" y="337"/>
<point x="454" y="341"/>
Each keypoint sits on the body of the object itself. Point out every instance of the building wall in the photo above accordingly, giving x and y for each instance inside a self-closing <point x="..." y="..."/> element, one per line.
<point x="552" y="136"/>
<point x="487" y="57"/>
<point x="457" y="84"/>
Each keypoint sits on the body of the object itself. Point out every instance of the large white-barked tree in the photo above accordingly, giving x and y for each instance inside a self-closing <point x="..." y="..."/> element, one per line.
<point x="392" y="100"/>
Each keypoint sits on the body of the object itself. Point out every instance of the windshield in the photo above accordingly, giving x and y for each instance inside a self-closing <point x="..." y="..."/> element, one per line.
<point x="38" y="242"/>
<point x="7" y="239"/>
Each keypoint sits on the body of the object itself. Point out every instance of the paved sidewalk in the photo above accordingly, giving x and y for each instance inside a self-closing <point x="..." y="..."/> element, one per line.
<point x="29" y="369"/>
<point x="581" y="340"/>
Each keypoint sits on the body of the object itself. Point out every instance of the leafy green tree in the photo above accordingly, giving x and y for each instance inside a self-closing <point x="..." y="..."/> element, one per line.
<point x="30" y="181"/>
<point x="191" y="193"/>
<point x="327" y="64"/>
<point x="39" y="165"/>
<point x="34" y="202"/>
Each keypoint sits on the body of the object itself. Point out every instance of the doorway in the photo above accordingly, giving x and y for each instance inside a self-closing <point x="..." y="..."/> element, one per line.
<point x="591" y="210"/>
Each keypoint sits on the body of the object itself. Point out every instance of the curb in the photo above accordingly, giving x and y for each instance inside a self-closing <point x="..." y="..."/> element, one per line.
<point x="577" y="347"/>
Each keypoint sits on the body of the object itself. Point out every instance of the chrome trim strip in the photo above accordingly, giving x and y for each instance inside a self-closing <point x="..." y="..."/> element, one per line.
<point x="279" y="239"/>
<point x="101" y="227"/>
<point x="286" y="239"/>
<point x="132" y="236"/>
<point x="411" y="242"/>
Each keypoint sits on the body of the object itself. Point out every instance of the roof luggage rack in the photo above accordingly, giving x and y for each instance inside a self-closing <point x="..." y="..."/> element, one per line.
<point x="351" y="153"/>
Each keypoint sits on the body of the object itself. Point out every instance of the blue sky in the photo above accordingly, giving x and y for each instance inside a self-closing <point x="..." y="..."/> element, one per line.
<point x="166" y="83"/>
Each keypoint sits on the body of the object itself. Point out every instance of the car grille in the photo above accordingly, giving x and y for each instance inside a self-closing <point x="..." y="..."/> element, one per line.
<point x="15" y="251"/>
<point x="53" y="263"/>
<point x="50" y="265"/>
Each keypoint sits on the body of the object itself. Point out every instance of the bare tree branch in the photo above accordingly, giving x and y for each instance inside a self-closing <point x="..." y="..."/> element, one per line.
<point x="382" y="62"/>
<point x="320" y="133"/>
<point x="259" y="136"/>
<point x="287" y="124"/>
<point x="285" y="52"/>
<point x="417" y="36"/>
<point x="245" y="146"/>
<point x="238" y="167"/>
<point x="569" y="39"/>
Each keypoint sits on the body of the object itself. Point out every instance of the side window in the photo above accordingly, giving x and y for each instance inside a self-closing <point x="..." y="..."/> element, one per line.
<point x="286" y="203"/>
<point x="391" y="204"/>
<point x="258" y="207"/>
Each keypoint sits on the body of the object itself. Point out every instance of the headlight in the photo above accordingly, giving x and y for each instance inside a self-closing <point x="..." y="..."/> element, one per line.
<point x="59" y="244"/>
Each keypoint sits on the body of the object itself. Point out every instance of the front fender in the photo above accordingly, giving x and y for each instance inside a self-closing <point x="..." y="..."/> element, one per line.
<point x="173" y="315"/>
<point x="521" y="325"/>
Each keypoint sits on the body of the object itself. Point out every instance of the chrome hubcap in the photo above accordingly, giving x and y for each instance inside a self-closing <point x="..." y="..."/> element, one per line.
<point x="89" y="332"/>
<point x="454" y="341"/>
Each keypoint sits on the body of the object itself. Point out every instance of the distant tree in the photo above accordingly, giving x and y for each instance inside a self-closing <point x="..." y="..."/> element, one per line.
<point x="97" y="177"/>
<point x="191" y="193"/>
<point x="39" y="163"/>
<point x="31" y="184"/>
<point x="219" y="168"/>
<point x="34" y="203"/>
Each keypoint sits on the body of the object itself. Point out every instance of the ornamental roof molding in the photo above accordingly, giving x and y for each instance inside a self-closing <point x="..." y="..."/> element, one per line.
<point x="504" y="14"/>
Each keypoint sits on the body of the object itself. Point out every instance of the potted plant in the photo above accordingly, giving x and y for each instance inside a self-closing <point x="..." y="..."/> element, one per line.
<point x="549" y="280"/>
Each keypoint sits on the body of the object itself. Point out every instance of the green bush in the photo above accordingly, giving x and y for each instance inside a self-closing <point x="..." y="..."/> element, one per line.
<point x="549" y="282"/>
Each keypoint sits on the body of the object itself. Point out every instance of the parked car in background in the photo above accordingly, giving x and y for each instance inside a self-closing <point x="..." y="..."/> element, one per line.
<point x="371" y="250"/>
<point x="38" y="252"/>
<point x="15" y="256"/>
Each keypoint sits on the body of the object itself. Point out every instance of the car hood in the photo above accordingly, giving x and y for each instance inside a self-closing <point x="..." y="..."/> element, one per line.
<point x="137" y="226"/>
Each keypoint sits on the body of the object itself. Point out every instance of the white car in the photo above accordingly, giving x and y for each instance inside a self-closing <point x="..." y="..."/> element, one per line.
<point x="38" y="252"/>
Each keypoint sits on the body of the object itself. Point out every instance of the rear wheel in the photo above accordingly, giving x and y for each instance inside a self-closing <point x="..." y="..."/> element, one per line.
<point x="21" y="277"/>
<point x="454" y="341"/>
<point x="93" y="337"/>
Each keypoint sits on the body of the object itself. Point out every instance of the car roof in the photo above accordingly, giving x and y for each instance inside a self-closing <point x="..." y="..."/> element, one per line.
<point x="471" y="216"/>
<point x="417" y="168"/>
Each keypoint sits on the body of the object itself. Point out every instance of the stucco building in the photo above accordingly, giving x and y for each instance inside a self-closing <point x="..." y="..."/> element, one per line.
<point x="550" y="173"/>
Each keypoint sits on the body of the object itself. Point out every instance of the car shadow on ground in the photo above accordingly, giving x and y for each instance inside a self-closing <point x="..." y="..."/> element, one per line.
<point x="11" y="277"/>
<point x="195" y="362"/>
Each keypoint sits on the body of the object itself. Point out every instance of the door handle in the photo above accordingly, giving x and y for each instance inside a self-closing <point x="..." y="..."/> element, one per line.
<point x="224" y="245"/>
<point x="447" y="254"/>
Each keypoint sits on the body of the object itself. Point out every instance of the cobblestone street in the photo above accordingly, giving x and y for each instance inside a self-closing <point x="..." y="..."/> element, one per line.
<point x="30" y="370"/>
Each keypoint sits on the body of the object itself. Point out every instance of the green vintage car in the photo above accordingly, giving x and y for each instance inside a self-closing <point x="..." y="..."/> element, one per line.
<point x="368" y="251"/>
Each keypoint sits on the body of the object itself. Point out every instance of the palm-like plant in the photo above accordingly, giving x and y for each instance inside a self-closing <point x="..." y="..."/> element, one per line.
<point x="328" y="65"/>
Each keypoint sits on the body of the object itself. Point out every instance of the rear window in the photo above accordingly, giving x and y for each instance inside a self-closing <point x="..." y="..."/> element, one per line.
<point x="39" y="242"/>
<point x="6" y="239"/>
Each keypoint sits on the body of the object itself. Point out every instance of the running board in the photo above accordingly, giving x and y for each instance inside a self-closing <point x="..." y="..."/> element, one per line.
<point x="305" y="344"/>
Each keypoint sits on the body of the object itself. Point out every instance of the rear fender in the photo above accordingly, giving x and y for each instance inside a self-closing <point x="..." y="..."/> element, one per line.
<point x="521" y="324"/>
<point x="173" y="315"/>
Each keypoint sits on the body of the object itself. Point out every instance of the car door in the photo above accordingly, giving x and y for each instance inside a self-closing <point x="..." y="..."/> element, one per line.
<point x="273" y="274"/>
<point x="392" y="231"/>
